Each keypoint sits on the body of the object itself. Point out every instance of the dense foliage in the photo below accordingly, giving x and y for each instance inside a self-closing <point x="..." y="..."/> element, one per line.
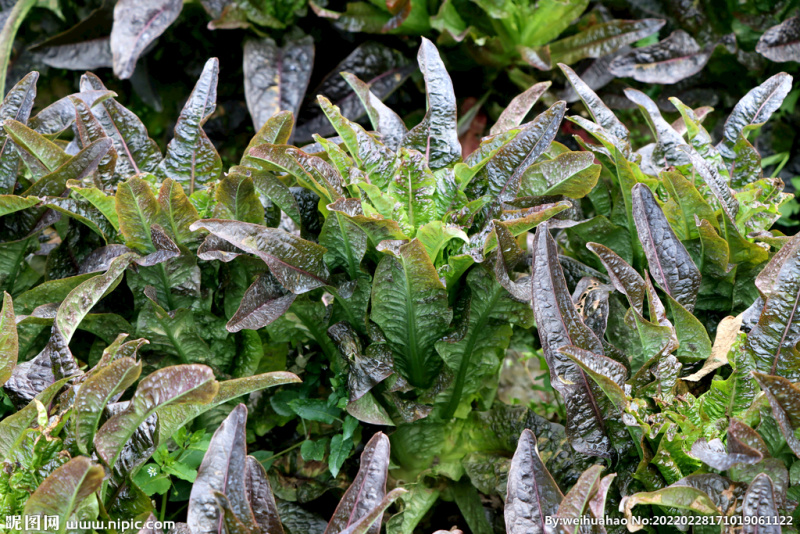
<point x="377" y="296"/>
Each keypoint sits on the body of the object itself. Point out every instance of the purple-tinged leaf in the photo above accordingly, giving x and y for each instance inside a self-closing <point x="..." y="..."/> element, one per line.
<point x="670" y="263"/>
<point x="667" y="139"/>
<point x="64" y="490"/>
<point x="532" y="494"/>
<point x="296" y="263"/>
<point x="275" y="79"/>
<point x="513" y="115"/>
<point x="759" y="510"/>
<point x="754" y="109"/>
<point x="237" y="199"/>
<point x="784" y="398"/>
<point x="602" y="39"/>
<point x="718" y="185"/>
<point x="277" y="130"/>
<point x="136" y="152"/>
<point x="437" y="135"/>
<point x="173" y="416"/>
<point x="367" y="490"/>
<point x="744" y="440"/>
<point x="571" y="174"/>
<point x="177" y="212"/>
<point x="263" y="302"/>
<point x="84" y="46"/>
<point x="713" y="454"/>
<point x="502" y="174"/>
<point x="675" y="496"/>
<point x="386" y="122"/>
<point x="372" y="519"/>
<point x="591" y="301"/>
<point x="41" y="155"/>
<point x="29" y="380"/>
<point x="600" y="113"/>
<point x="772" y="343"/>
<point x="576" y="502"/>
<point x="60" y="115"/>
<point x="262" y="501"/>
<point x="559" y="325"/>
<point x="781" y="43"/>
<point x="376" y="227"/>
<point x="75" y="168"/>
<point x="665" y="62"/>
<point x="9" y="340"/>
<point x="16" y="106"/>
<point x="137" y="23"/>
<point x="191" y="159"/>
<point x="14" y="427"/>
<point x="89" y="131"/>
<point x="179" y="384"/>
<point x="137" y="209"/>
<point x="223" y="470"/>
<point x="96" y="392"/>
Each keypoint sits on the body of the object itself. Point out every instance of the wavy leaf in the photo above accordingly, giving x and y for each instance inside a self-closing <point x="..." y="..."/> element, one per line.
<point x="409" y="303"/>
<point x="94" y="394"/>
<point x="513" y="115"/>
<point x="532" y="494"/>
<point x="665" y="62"/>
<point x="571" y="174"/>
<point x="263" y="302"/>
<point x="191" y="159"/>
<point x="602" y="39"/>
<point x="386" y="122"/>
<point x="16" y="106"/>
<point x="437" y="135"/>
<point x="223" y="470"/>
<point x="64" y="491"/>
<point x="780" y="43"/>
<point x="296" y="263"/>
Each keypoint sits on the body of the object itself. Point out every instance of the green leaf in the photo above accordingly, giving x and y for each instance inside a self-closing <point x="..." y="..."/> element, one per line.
<point x="278" y="193"/>
<point x="436" y="135"/>
<point x="409" y="303"/>
<point x="684" y="204"/>
<point x="477" y="354"/>
<point x="173" y="417"/>
<point x="63" y="491"/>
<point x="414" y="186"/>
<point x="41" y="155"/>
<point x="345" y="241"/>
<point x="96" y="392"/>
<point x="177" y="212"/>
<point x="277" y="130"/>
<point x="675" y="496"/>
<point x="576" y="502"/>
<point x="314" y="450"/>
<point x="471" y="507"/>
<point x="296" y="263"/>
<point x="192" y="384"/>
<point x="784" y="399"/>
<point x="571" y="174"/>
<point x="340" y="450"/>
<point x="237" y="199"/>
<point x="435" y="235"/>
<point x="191" y="159"/>
<point x="667" y="139"/>
<point x="9" y="340"/>
<point x="314" y="410"/>
<point x="385" y="121"/>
